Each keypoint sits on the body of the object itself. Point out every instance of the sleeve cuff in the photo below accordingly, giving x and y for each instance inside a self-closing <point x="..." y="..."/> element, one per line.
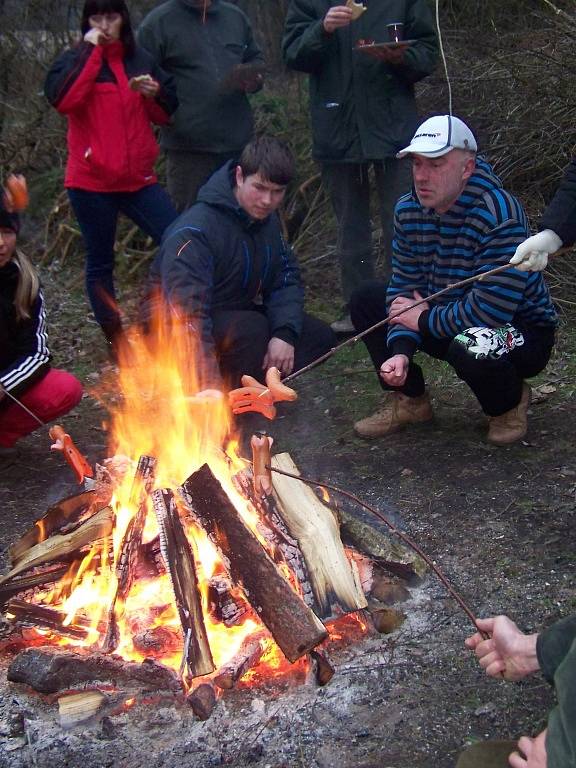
<point x="286" y="334"/>
<point x="423" y="323"/>
<point x="402" y="345"/>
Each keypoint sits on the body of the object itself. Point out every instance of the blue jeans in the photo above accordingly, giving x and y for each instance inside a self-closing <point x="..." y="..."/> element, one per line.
<point x="97" y="213"/>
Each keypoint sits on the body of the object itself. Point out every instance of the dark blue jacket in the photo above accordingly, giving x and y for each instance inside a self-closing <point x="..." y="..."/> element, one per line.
<point x="215" y="257"/>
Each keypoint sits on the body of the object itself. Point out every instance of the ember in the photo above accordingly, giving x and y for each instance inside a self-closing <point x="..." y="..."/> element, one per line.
<point x="185" y="556"/>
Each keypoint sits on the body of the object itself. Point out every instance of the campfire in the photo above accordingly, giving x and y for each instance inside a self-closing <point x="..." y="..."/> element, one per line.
<point x="182" y="565"/>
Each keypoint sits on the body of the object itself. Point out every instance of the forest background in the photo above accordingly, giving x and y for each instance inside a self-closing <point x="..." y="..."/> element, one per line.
<point x="511" y="71"/>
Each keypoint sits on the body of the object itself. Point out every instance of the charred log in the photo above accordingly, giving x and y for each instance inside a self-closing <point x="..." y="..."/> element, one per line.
<point x="202" y="701"/>
<point x="21" y="612"/>
<point x="27" y="584"/>
<point x="181" y="567"/>
<point x="322" y="667"/>
<point x="225" y="604"/>
<point x="156" y="642"/>
<point x="292" y="624"/>
<point x="48" y="670"/>
<point x="247" y="656"/>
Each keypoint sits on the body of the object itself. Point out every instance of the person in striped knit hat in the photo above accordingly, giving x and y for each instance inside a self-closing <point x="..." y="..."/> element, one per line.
<point x="457" y="222"/>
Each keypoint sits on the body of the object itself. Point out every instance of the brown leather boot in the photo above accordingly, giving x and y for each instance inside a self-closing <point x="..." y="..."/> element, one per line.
<point x="512" y="425"/>
<point x="397" y="411"/>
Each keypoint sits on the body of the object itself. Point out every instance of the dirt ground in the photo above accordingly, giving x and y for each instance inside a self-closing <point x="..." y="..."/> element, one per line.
<point x="499" y="522"/>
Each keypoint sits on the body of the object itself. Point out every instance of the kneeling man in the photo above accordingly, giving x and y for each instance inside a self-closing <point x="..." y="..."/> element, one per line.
<point x="458" y="222"/>
<point x="225" y="267"/>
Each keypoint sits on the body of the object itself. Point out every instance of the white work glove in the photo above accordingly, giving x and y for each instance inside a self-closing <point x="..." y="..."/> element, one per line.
<point x="532" y="254"/>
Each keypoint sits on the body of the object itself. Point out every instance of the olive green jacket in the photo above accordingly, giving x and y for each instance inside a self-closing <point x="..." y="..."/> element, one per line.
<point x="361" y="108"/>
<point x="556" y="648"/>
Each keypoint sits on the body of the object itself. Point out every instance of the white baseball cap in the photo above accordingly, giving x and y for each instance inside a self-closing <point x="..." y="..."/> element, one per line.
<point x="439" y="135"/>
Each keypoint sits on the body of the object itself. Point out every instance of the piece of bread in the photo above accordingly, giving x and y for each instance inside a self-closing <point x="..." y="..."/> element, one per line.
<point x="134" y="81"/>
<point x="357" y="9"/>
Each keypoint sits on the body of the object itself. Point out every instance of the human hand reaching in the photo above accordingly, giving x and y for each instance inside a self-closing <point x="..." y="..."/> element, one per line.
<point x="338" y="16"/>
<point x="280" y="354"/>
<point x="508" y="652"/>
<point x="534" y="752"/>
<point x="532" y="254"/>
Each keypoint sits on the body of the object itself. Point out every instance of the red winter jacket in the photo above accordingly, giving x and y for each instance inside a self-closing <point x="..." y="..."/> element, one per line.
<point x="111" y="143"/>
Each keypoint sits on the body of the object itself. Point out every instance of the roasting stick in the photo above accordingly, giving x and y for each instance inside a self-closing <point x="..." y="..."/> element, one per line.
<point x="406" y="539"/>
<point x="386" y="320"/>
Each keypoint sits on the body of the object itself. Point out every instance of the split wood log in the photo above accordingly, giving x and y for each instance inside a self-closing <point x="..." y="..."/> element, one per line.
<point x="196" y="657"/>
<point x="55" y="548"/>
<point x="130" y="547"/>
<point x="77" y="708"/>
<point x="282" y="546"/>
<point x="334" y="578"/>
<point x="246" y="657"/>
<point x="48" y="670"/>
<point x="60" y="518"/>
<point x="44" y="617"/>
<point x="28" y="583"/>
<point x="372" y="537"/>
<point x="202" y="701"/>
<point x="292" y="624"/>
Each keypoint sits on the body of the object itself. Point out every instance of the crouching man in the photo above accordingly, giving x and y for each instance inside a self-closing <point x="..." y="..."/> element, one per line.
<point x="225" y="268"/>
<point x="457" y="223"/>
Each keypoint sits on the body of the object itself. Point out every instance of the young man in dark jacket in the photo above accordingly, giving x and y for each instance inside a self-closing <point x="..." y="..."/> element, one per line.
<point x="225" y="269"/>
<point x="557" y="228"/>
<point x="363" y="111"/>
<point x="458" y="223"/>
<point x="511" y="654"/>
<point x="209" y="48"/>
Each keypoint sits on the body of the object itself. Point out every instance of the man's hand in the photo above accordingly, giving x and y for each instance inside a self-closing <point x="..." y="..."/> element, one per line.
<point x="146" y="85"/>
<point x="393" y="56"/>
<point x="534" y="751"/>
<point x="410" y="318"/>
<point x="532" y="254"/>
<point x="507" y="652"/>
<point x="245" y="77"/>
<point x="394" y="370"/>
<point x="338" y="16"/>
<point x="280" y="354"/>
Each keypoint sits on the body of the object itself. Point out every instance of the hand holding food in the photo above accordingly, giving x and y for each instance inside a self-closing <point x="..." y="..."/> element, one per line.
<point x="144" y="84"/>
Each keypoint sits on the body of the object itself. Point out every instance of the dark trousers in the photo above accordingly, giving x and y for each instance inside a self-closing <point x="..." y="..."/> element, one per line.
<point x="497" y="383"/>
<point x="242" y="338"/>
<point x="97" y="213"/>
<point x="348" y="186"/>
<point x="187" y="171"/>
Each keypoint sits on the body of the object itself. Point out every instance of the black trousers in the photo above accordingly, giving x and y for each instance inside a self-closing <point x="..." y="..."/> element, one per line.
<point x="242" y="337"/>
<point x="497" y="383"/>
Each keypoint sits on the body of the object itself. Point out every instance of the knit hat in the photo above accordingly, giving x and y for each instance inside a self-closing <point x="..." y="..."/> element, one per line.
<point x="8" y="220"/>
<point x="439" y="135"/>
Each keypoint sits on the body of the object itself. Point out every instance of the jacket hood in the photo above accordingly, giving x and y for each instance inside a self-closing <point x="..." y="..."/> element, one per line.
<point x="212" y="8"/>
<point x="219" y="193"/>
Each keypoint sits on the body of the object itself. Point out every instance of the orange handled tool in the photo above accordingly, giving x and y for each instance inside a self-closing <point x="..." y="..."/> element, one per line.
<point x="63" y="442"/>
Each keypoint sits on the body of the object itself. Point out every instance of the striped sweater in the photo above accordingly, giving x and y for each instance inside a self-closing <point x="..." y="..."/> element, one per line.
<point x="24" y="355"/>
<point x="480" y="231"/>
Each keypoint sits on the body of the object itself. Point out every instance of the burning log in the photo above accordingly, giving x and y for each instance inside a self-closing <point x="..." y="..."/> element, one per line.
<point x="292" y="624"/>
<point x="48" y="670"/>
<point x="223" y="604"/>
<point x="334" y="580"/>
<point x="27" y="583"/>
<point x="181" y="567"/>
<point x="150" y="562"/>
<point x="271" y="526"/>
<point x="156" y="642"/>
<point x="57" y="547"/>
<point x="130" y="547"/>
<point x="60" y="518"/>
<point x="247" y="656"/>
<point x="48" y="618"/>
<point x="202" y="700"/>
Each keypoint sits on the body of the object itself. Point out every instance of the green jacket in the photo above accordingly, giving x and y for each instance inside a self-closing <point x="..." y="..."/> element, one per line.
<point x="200" y="54"/>
<point x="361" y="108"/>
<point x="556" y="648"/>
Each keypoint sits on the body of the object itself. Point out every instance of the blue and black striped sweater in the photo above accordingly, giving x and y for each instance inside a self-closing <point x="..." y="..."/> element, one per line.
<point x="479" y="232"/>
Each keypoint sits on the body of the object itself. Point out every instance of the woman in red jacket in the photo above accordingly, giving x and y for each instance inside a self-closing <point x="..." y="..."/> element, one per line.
<point x="111" y="92"/>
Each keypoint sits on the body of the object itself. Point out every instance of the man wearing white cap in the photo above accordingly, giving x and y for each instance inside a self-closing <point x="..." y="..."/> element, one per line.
<point x="458" y="222"/>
